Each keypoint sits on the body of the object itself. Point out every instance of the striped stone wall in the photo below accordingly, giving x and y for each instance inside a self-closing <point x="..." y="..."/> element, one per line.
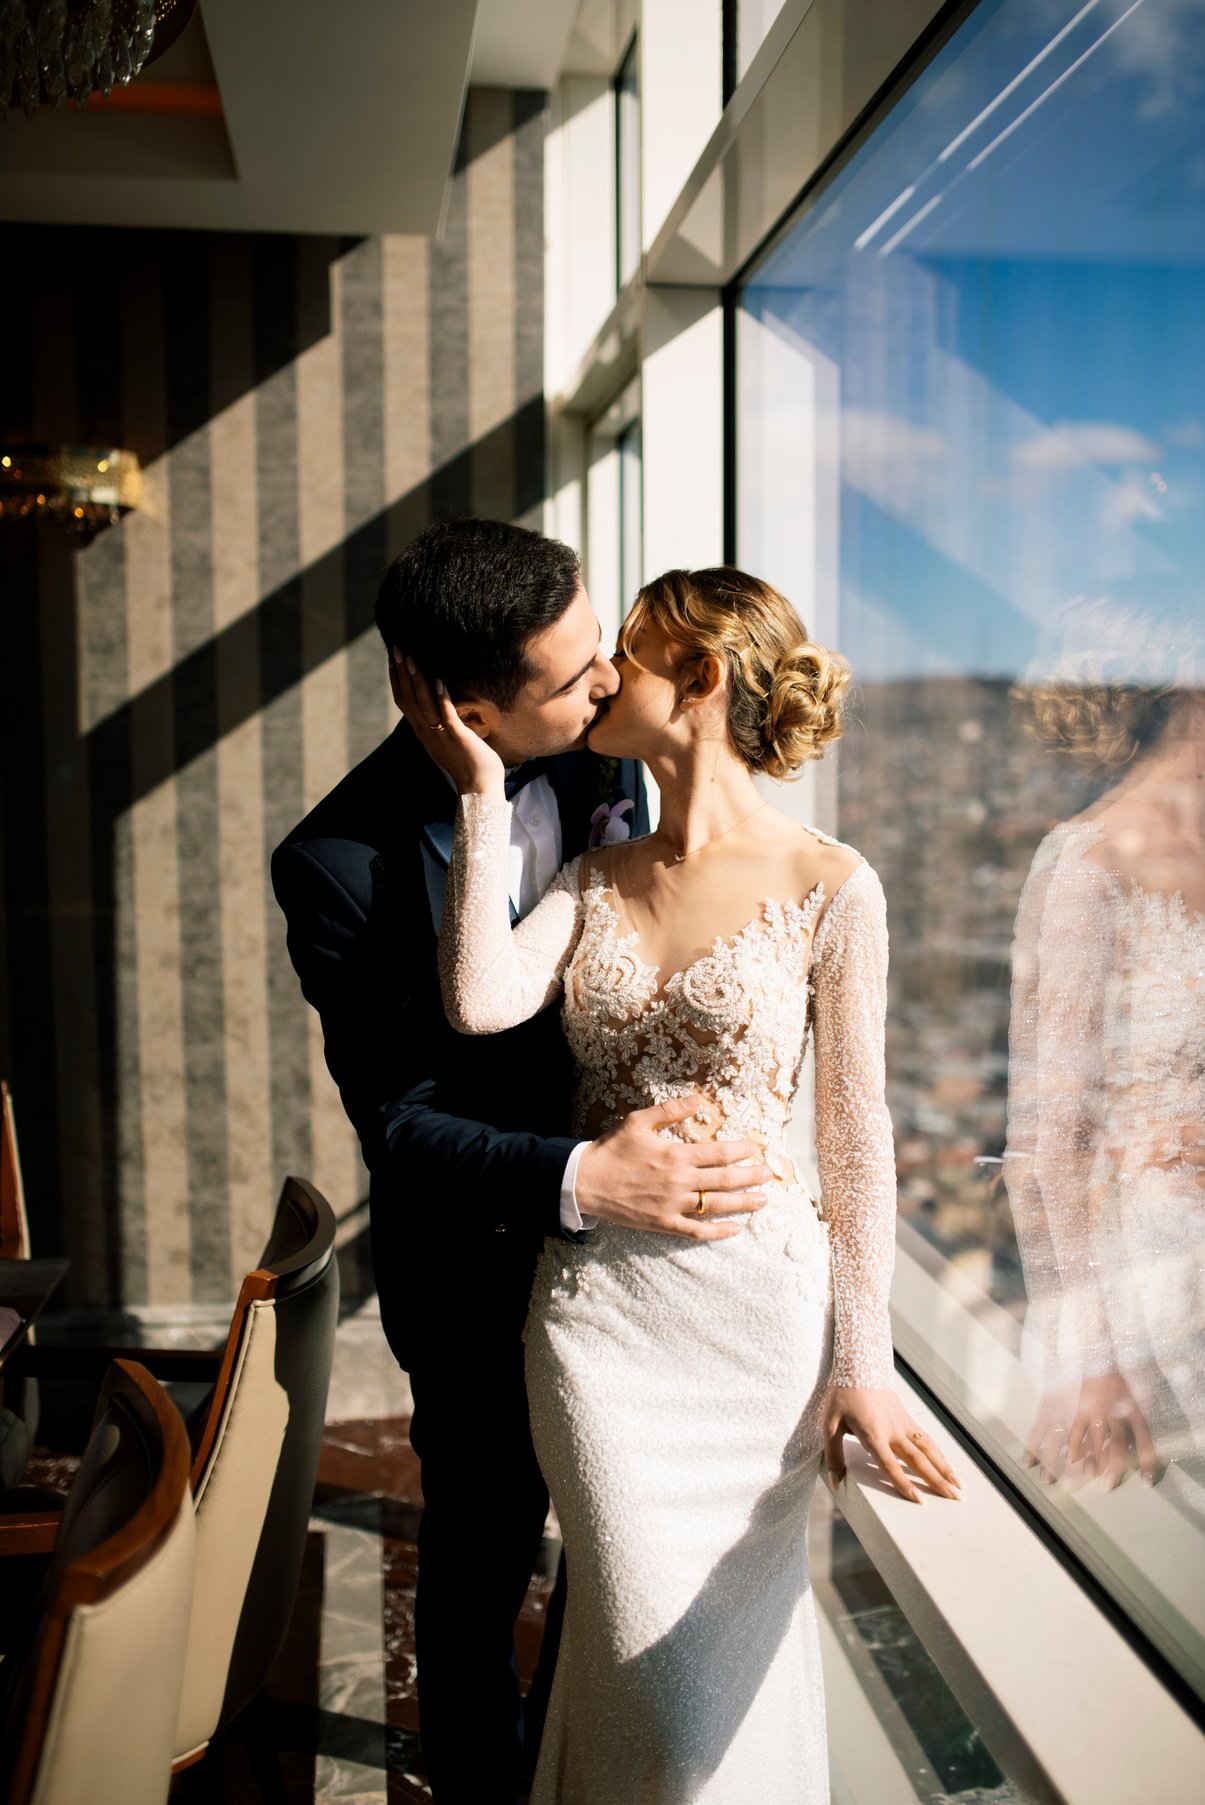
<point x="176" y="694"/>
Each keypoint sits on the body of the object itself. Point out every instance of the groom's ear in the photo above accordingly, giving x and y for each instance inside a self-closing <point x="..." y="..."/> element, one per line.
<point x="481" y="717"/>
<point x="395" y="659"/>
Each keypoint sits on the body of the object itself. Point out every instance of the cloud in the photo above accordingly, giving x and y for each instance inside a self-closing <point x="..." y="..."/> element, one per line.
<point x="1126" y="503"/>
<point x="1162" y="47"/>
<point x="869" y="436"/>
<point x="1075" y="444"/>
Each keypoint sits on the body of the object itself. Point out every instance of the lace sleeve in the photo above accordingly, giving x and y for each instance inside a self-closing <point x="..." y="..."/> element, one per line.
<point x="854" y="1147"/>
<point x="493" y="976"/>
<point x="1059" y="1113"/>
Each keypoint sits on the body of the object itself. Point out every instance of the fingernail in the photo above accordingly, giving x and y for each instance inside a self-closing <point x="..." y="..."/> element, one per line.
<point x="411" y="667"/>
<point x="1148" y="1479"/>
<point x="440" y="687"/>
<point x="395" y="656"/>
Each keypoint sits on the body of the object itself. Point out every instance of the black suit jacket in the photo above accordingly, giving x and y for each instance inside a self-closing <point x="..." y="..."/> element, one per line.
<point x="465" y="1137"/>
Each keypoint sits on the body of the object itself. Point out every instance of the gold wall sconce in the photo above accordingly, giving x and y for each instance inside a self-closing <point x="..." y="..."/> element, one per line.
<point x="79" y="487"/>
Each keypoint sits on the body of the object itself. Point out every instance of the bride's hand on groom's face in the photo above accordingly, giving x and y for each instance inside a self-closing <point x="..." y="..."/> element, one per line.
<point x="890" y="1436"/>
<point x="474" y="766"/>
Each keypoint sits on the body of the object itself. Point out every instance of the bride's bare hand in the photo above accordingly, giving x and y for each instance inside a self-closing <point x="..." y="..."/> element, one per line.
<point x="473" y="766"/>
<point x="887" y="1432"/>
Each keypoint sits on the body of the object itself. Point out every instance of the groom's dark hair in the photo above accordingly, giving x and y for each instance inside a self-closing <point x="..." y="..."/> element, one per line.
<point x="465" y="597"/>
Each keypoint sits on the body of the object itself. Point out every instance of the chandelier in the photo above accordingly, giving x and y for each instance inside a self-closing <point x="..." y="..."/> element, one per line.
<point x="80" y="487"/>
<point x="52" y="51"/>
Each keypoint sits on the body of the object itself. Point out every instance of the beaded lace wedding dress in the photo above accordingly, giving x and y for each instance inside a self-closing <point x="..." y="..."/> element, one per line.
<point x="677" y="1386"/>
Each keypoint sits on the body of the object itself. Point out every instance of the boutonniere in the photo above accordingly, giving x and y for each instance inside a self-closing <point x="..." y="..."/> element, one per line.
<point x="607" y="824"/>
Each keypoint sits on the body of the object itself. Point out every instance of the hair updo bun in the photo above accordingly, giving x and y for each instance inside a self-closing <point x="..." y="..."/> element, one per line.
<point x="1113" y="670"/>
<point x="803" y="708"/>
<point x="785" y="692"/>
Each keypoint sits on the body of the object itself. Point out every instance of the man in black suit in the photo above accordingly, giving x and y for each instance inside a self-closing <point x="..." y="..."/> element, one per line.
<point x="467" y="1139"/>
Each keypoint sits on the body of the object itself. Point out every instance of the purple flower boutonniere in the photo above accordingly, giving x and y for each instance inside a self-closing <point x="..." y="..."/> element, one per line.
<point x="607" y="824"/>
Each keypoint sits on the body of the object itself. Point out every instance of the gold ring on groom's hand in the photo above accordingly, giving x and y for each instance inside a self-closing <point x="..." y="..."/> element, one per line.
<point x="437" y="726"/>
<point x="701" y="1206"/>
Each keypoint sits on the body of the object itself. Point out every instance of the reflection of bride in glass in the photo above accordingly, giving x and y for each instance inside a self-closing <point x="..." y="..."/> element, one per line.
<point x="1105" y="1160"/>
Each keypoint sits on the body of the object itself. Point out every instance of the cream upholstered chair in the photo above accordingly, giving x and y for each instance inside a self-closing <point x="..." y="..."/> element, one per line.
<point x="92" y="1706"/>
<point x="255" y="1464"/>
<point x="255" y="1439"/>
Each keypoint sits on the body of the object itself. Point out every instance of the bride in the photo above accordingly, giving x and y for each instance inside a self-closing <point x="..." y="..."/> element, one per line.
<point x="681" y="1394"/>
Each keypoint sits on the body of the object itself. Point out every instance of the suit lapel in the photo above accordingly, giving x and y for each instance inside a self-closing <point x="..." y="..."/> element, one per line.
<point x="422" y="794"/>
<point x="577" y="778"/>
<point x="574" y="779"/>
<point x="436" y="843"/>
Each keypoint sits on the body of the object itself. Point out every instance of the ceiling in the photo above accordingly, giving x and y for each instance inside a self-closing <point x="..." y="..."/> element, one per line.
<point x="284" y="116"/>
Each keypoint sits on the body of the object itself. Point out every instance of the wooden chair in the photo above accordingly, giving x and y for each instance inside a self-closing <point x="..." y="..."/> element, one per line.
<point x="256" y="1463"/>
<point x="18" y="1394"/>
<point x="92" y="1706"/>
<point x="14" y="1225"/>
<point x="255" y="1459"/>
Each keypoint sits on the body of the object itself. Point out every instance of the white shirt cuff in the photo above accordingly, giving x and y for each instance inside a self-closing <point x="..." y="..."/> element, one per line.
<point x="572" y="1219"/>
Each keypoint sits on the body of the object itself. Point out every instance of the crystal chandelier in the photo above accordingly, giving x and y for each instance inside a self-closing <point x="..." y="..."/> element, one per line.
<point x="80" y="487"/>
<point x="52" y="51"/>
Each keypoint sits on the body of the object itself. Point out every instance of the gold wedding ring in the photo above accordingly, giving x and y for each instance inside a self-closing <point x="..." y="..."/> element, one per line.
<point x="437" y="726"/>
<point x="701" y="1206"/>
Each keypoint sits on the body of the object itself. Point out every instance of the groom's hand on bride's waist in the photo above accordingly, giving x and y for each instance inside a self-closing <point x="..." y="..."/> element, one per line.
<point x="638" y="1177"/>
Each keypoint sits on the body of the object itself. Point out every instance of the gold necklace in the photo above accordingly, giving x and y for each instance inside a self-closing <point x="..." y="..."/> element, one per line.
<point x="681" y="857"/>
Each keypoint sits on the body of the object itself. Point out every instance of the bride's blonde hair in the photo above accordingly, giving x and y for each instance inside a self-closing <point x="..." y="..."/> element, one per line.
<point x="785" y="692"/>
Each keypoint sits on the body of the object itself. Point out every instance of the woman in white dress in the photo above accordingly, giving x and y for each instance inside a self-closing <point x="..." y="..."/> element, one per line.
<point x="681" y="1391"/>
<point x="1105" y="1161"/>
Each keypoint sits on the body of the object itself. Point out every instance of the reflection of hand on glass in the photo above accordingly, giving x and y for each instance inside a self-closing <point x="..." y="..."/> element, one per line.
<point x="1096" y="1430"/>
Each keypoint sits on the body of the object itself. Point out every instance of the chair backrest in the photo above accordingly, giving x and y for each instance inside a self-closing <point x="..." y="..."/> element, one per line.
<point x="255" y="1465"/>
<point x="100" y="1692"/>
<point x="18" y="1395"/>
<point x="14" y="1226"/>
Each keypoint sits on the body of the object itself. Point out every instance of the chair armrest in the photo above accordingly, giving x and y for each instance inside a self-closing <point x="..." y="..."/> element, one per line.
<point x="28" y="1532"/>
<point x="198" y="1365"/>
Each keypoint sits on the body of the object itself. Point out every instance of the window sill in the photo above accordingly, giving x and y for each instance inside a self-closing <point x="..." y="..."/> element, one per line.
<point x="1068" y="1709"/>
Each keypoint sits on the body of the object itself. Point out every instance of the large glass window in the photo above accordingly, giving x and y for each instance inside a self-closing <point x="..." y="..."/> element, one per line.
<point x="614" y="523"/>
<point x="750" y="20"/>
<point x="971" y="447"/>
<point x="627" y="166"/>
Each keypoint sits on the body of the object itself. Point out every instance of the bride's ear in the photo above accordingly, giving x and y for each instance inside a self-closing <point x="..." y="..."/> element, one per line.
<point x="699" y="677"/>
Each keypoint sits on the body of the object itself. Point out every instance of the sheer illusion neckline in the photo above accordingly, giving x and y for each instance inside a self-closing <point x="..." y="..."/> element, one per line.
<point x="730" y="944"/>
<point x="1126" y="887"/>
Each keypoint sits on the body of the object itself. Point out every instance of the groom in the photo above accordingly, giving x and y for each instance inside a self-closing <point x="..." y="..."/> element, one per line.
<point x="467" y="1139"/>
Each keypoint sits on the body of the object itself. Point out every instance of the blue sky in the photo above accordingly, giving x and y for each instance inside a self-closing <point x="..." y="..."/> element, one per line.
<point x="1007" y="284"/>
